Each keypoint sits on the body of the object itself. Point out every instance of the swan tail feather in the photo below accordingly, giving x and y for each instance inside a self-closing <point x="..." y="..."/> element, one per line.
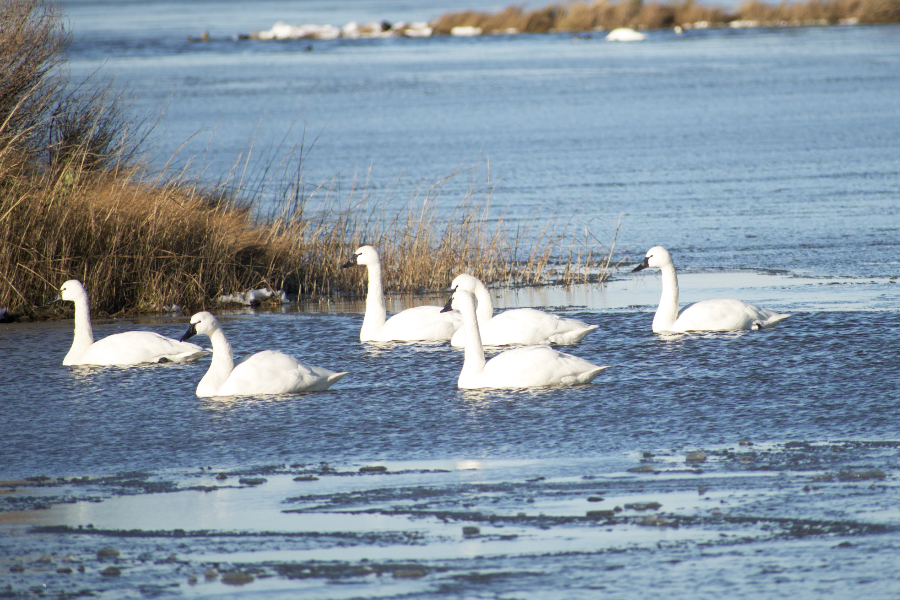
<point x="572" y="337"/>
<point x="770" y="321"/>
<point x="335" y="377"/>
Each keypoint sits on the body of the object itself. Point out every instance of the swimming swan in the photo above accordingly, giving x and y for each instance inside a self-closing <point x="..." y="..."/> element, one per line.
<point x="419" y="324"/>
<point x="266" y="372"/>
<point x="706" y="315"/>
<point x="519" y="326"/>
<point x="128" y="348"/>
<point x="531" y="366"/>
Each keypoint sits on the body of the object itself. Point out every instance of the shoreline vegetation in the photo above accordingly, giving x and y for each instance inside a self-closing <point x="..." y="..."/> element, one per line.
<point x="78" y="201"/>
<point x="604" y="15"/>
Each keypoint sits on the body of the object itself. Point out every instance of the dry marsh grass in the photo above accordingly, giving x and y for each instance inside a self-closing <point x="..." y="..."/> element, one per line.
<point x="603" y="14"/>
<point x="75" y="202"/>
<point x="818" y="11"/>
<point x="424" y="244"/>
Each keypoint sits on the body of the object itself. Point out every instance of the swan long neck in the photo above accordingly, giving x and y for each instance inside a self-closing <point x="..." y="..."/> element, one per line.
<point x="474" y="362"/>
<point x="375" y="311"/>
<point x="485" y="309"/>
<point x="84" y="333"/>
<point x="222" y="363"/>
<point x="667" y="313"/>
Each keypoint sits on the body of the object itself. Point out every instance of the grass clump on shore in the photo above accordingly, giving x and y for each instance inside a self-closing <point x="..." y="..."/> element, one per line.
<point x="76" y="201"/>
<point x="606" y="15"/>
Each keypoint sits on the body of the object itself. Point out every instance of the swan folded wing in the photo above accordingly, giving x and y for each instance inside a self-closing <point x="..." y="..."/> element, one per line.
<point x="725" y="314"/>
<point x="528" y="326"/>
<point x="533" y="326"/>
<point x="271" y="372"/>
<point x="135" y="347"/>
<point x="535" y="366"/>
<point x="422" y="323"/>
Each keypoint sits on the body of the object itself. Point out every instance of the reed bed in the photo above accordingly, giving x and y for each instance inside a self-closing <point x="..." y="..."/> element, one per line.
<point x="76" y="201"/>
<point x="139" y="246"/>
<point x="606" y="15"/>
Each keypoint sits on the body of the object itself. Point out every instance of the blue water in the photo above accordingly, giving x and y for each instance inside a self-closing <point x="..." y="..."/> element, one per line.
<point x="816" y="376"/>
<point x="767" y="161"/>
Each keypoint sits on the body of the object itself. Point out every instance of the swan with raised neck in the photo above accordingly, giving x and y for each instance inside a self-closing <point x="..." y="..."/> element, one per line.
<point x="725" y="314"/>
<point x="529" y="366"/>
<point x="127" y="348"/>
<point x="266" y="372"/>
<point x="419" y="324"/>
<point x="518" y="326"/>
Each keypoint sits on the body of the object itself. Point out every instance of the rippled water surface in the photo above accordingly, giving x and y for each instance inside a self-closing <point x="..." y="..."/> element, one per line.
<point x="746" y="465"/>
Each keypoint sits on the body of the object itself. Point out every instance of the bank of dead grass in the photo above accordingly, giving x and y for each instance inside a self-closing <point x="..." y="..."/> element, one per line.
<point x="139" y="245"/>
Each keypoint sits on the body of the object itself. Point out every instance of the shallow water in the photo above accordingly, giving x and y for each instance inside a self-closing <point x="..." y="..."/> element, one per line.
<point x="765" y="160"/>
<point x="401" y="401"/>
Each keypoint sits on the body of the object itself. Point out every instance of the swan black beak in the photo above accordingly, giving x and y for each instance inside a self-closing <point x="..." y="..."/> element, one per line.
<point x="191" y="332"/>
<point x="55" y="300"/>
<point x="448" y="307"/>
<point x="642" y="266"/>
<point x="350" y="262"/>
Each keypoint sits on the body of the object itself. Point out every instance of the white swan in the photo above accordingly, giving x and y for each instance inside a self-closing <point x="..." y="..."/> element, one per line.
<point x="266" y="372"/>
<point x="531" y="366"/>
<point x="706" y="315"/>
<point x="519" y="326"/>
<point x="419" y="324"/>
<point x="129" y="348"/>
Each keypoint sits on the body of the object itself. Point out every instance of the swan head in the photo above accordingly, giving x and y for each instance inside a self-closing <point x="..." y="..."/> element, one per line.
<point x="464" y="282"/>
<point x="364" y="255"/>
<point x="459" y="300"/>
<point x="657" y="256"/>
<point x="201" y="323"/>
<point x="71" y="290"/>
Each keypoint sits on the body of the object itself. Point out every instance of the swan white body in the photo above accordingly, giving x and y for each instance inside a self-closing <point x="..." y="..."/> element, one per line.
<point x="419" y="324"/>
<point x="531" y="366"/>
<point x="129" y="348"/>
<point x="519" y="326"/>
<point x="266" y="372"/>
<point x="706" y="315"/>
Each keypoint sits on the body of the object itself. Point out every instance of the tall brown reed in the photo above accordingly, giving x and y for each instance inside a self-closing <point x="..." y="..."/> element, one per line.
<point x="430" y="239"/>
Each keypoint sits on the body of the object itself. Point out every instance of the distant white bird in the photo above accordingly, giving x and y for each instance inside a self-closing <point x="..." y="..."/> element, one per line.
<point x="266" y="372"/>
<point x="530" y="366"/>
<point x="419" y="324"/>
<point x="706" y="315"/>
<point x="625" y="34"/>
<point x="129" y="348"/>
<point x="519" y="326"/>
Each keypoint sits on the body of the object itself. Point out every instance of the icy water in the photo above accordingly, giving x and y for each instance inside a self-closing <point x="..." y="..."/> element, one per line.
<point x="745" y="465"/>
